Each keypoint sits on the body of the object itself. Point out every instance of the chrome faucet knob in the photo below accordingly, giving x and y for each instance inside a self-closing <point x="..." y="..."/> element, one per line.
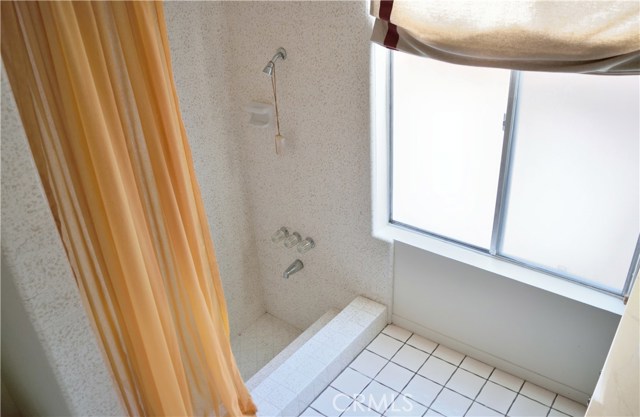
<point x="306" y="245"/>
<point x="292" y="240"/>
<point x="280" y="234"/>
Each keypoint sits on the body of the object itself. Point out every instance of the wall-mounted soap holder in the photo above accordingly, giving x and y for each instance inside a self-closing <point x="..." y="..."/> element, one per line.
<point x="261" y="114"/>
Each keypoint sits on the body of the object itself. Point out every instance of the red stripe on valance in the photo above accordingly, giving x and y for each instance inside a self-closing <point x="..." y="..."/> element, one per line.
<point x="392" y="37"/>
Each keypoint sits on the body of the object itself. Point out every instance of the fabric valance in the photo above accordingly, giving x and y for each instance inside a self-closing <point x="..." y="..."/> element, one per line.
<point x="600" y="37"/>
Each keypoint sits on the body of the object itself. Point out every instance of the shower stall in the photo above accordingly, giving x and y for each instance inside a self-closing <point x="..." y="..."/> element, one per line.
<point x="318" y="186"/>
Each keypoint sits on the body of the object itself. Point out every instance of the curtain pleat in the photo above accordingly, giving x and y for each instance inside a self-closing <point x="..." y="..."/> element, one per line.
<point x="94" y="86"/>
<point x="596" y="37"/>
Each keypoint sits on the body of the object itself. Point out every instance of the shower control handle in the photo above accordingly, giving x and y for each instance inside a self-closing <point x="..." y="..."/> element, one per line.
<point x="306" y="245"/>
<point x="280" y="234"/>
<point x="292" y="240"/>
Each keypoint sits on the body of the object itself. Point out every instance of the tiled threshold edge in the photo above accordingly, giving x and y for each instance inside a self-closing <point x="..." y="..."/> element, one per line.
<point x="294" y="384"/>
<point x="286" y="353"/>
<point x="526" y="374"/>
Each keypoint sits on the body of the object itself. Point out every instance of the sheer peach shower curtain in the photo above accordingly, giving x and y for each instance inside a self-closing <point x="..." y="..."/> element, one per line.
<point x="94" y="87"/>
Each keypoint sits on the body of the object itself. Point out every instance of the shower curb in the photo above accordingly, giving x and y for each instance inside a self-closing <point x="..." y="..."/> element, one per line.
<point x="298" y="380"/>
<point x="286" y="353"/>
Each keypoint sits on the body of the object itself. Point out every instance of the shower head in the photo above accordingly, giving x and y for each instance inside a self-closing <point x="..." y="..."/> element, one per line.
<point x="268" y="69"/>
<point x="280" y="54"/>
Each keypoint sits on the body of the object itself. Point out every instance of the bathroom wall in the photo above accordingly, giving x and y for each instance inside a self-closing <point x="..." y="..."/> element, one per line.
<point x="25" y="366"/>
<point x="198" y="37"/>
<point x="616" y="393"/>
<point x="550" y="340"/>
<point x="33" y="258"/>
<point x="320" y="185"/>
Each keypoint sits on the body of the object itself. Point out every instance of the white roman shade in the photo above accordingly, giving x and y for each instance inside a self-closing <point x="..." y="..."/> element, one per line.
<point x="599" y="37"/>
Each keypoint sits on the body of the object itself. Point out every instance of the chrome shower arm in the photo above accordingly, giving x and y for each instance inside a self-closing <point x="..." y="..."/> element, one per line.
<point x="281" y="53"/>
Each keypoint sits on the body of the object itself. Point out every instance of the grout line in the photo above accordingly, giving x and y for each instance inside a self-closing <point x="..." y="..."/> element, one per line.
<point x="512" y="403"/>
<point x="445" y="384"/>
<point x="313" y="410"/>
<point x="454" y="372"/>
<point x="479" y="391"/>
<point x="415" y="372"/>
<point x="553" y="401"/>
<point x="385" y="365"/>
<point x="399" y="340"/>
<point x="388" y="361"/>
<point x="371" y="379"/>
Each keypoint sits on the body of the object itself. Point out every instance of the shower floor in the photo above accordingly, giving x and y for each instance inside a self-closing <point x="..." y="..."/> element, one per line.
<point x="261" y="342"/>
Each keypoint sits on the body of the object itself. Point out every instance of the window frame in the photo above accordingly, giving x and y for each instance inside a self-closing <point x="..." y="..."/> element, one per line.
<point x="385" y="228"/>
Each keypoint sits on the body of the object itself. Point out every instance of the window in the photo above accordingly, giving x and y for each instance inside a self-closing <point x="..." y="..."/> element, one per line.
<point x="538" y="170"/>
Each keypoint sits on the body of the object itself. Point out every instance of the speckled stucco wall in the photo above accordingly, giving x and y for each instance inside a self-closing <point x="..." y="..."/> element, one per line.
<point x="33" y="256"/>
<point x="321" y="185"/>
<point x="198" y="37"/>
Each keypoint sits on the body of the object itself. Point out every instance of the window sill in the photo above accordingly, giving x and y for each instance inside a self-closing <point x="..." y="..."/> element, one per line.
<point x="574" y="291"/>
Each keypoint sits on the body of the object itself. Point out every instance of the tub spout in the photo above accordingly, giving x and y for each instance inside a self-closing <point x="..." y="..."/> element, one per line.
<point x="293" y="268"/>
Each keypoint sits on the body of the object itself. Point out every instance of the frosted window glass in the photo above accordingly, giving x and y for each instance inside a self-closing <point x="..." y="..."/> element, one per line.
<point x="574" y="196"/>
<point x="447" y="143"/>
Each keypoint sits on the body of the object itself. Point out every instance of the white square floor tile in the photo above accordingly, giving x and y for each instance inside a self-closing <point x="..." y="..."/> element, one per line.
<point x="538" y="393"/>
<point x="506" y="380"/>
<point x="421" y="343"/>
<point x="358" y="410"/>
<point x="479" y="410"/>
<point x="437" y="370"/>
<point x="410" y="358"/>
<point x="350" y="382"/>
<point x="368" y="363"/>
<point x="384" y="382"/>
<point x="331" y="402"/>
<point x="310" y="412"/>
<point x="405" y="407"/>
<point x="526" y="407"/>
<point x="465" y="383"/>
<point x="394" y="376"/>
<point x="476" y="367"/>
<point x="397" y="332"/>
<point x="496" y="396"/>
<point x="422" y="390"/>
<point x="384" y="346"/>
<point x="448" y="355"/>
<point x="451" y="403"/>
<point x="377" y="397"/>
<point x="570" y="407"/>
<point x="556" y="413"/>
